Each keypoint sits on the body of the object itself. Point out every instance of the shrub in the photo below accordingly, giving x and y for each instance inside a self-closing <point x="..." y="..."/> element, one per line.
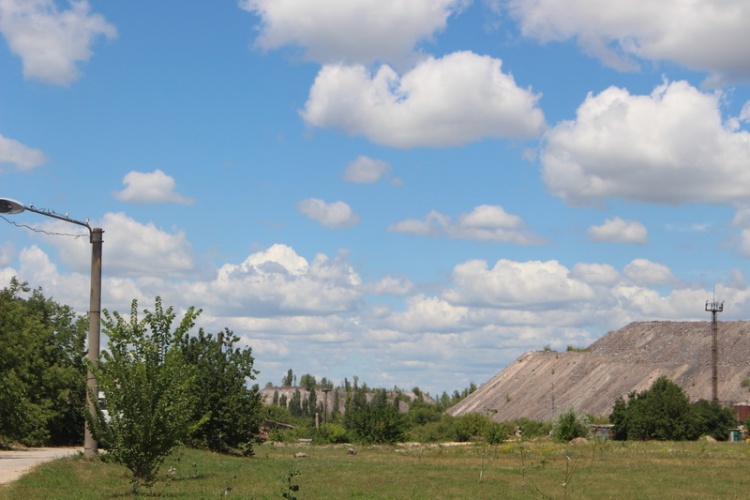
<point x="377" y="421"/>
<point x="497" y="432"/>
<point x="420" y="412"/>
<point x="714" y="420"/>
<point x="569" y="426"/>
<point x="431" y="432"/>
<point x="470" y="425"/>
<point x="148" y="387"/>
<point x="333" y="433"/>
<point x="662" y="412"/>
<point x="221" y="392"/>
<point x="533" y="428"/>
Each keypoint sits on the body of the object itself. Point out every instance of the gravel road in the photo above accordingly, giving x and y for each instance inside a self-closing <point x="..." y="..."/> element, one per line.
<point x="15" y="463"/>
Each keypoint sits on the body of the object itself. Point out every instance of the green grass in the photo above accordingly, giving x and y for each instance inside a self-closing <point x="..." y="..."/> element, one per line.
<point x="532" y="470"/>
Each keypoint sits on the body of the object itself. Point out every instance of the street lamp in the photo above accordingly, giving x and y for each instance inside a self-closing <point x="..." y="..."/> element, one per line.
<point x="12" y="207"/>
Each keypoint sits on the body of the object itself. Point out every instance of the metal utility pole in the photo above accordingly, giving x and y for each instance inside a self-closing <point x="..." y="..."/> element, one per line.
<point x="714" y="308"/>
<point x="12" y="207"/>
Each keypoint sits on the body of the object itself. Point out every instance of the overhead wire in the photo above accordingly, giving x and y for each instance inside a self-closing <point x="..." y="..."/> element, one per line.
<point x="42" y="231"/>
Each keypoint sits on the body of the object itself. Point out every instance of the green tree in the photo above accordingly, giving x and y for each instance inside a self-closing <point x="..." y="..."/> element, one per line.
<point x="42" y="375"/>
<point x="295" y="404"/>
<point x="497" y="432"/>
<point x="377" y="421"/>
<point x="620" y="417"/>
<point x="288" y="379"/>
<point x="569" y="426"/>
<point x="325" y="383"/>
<point x="307" y="381"/>
<point x="662" y="412"/>
<point x="336" y="402"/>
<point x="421" y="413"/>
<point x="227" y="407"/>
<point x="312" y="402"/>
<point x="149" y="389"/>
<point x="532" y="428"/>
<point x="714" y="420"/>
<point x="470" y="425"/>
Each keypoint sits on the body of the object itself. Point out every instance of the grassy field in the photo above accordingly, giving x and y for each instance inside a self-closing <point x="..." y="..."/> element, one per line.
<point x="512" y="470"/>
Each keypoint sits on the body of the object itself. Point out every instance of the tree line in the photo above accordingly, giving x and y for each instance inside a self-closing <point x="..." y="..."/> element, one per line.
<point x="165" y="384"/>
<point x="42" y="374"/>
<point x="162" y="383"/>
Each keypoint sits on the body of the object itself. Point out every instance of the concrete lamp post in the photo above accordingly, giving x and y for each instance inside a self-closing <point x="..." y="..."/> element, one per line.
<point x="12" y="207"/>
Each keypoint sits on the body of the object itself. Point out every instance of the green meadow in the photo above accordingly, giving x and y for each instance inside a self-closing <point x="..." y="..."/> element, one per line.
<point x="538" y="469"/>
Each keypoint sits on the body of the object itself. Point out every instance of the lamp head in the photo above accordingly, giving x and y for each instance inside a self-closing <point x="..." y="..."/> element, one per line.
<point x="10" y="207"/>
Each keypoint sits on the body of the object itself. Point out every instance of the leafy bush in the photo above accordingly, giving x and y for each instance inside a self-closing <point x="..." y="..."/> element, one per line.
<point x="148" y="387"/>
<point x="222" y="393"/>
<point x="532" y="428"/>
<point x="286" y="435"/>
<point x="377" y="421"/>
<point x="42" y="375"/>
<point x="714" y="420"/>
<point x="569" y="426"/>
<point x="432" y="432"/>
<point x="662" y="412"/>
<point x="498" y="432"/>
<point x="470" y="425"/>
<point x="333" y="433"/>
<point x="421" y="413"/>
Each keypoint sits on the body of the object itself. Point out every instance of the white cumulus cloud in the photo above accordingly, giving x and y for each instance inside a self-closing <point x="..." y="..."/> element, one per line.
<point x="277" y="281"/>
<point x="668" y="147"/>
<point x="336" y="214"/>
<point x="511" y="284"/>
<point x="429" y="314"/>
<point x="484" y="223"/>
<point x="50" y="41"/>
<point x="595" y="274"/>
<point x="150" y="187"/>
<point x="459" y="98"/>
<point x="14" y="153"/>
<point x="646" y="273"/>
<point x="702" y="35"/>
<point x="352" y="31"/>
<point x="389" y="285"/>
<point x="617" y="230"/>
<point x="366" y="170"/>
<point x="129" y="247"/>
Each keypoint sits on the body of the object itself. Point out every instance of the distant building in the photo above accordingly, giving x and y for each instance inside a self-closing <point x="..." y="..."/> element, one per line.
<point x="602" y="432"/>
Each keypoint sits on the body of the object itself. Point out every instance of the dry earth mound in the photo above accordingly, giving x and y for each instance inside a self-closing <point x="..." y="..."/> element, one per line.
<point x="542" y="384"/>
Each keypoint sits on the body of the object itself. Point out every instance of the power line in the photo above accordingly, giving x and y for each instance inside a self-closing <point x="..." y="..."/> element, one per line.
<point x="42" y="231"/>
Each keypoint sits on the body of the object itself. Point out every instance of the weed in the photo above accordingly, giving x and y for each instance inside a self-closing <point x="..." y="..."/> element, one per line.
<point x="291" y="489"/>
<point x="569" y="470"/>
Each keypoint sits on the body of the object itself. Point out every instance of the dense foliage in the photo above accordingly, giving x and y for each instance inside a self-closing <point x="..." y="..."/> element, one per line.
<point x="714" y="420"/>
<point x="664" y="412"/>
<point x="377" y="421"/>
<point x="364" y="415"/>
<point x="569" y="426"/>
<point x="42" y="375"/>
<point x="230" y="410"/>
<point x="148" y="387"/>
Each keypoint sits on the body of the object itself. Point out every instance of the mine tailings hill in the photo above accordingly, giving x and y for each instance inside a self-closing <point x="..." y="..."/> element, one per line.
<point x="540" y="385"/>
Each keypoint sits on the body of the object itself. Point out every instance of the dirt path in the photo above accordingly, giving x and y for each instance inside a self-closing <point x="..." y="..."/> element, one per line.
<point x="15" y="463"/>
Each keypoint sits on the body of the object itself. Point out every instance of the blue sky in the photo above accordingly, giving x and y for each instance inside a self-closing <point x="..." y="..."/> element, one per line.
<point x="411" y="192"/>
